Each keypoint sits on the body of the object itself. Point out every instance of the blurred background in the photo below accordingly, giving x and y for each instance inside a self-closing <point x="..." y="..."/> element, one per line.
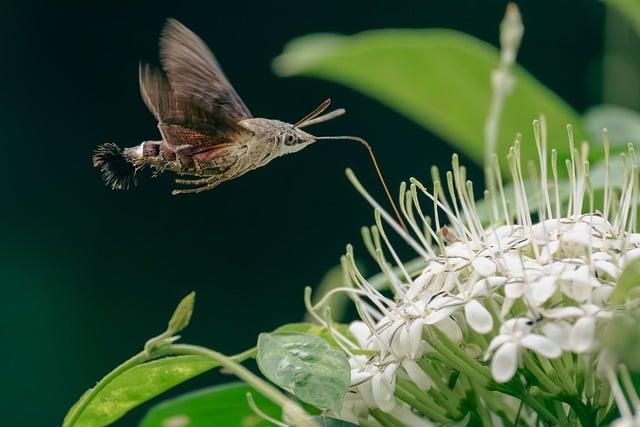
<point x="88" y="274"/>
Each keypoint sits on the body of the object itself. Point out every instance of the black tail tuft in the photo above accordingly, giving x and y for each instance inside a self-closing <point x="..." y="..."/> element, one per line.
<point x="117" y="171"/>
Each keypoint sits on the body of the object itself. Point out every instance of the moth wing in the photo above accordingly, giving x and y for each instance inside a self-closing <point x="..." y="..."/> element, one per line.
<point x="180" y="121"/>
<point x="195" y="75"/>
<point x="161" y="100"/>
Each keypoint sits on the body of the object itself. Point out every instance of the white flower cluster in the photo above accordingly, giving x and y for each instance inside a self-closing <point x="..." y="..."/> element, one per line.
<point x="486" y="301"/>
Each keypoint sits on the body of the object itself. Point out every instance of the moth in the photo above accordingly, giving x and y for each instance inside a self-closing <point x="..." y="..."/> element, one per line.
<point x="207" y="131"/>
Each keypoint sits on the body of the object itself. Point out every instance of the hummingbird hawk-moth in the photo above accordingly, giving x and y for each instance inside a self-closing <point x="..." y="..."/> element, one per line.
<point x="207" y="131"/>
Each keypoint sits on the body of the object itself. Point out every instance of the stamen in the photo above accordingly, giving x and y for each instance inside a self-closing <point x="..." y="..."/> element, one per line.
<point x="556" y="187"/>
<point x="607" y="188"/>
<point x="452" y="194"/>
<point x="392" y="251"/>
<point x="498" y="174"/>
<point x="539" y="126"/>
<point x="407" y="210"/>
<point x="398" y="229"/>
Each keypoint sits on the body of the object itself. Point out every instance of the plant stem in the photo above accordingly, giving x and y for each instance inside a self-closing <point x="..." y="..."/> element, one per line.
<point x="266" y="389"/>
<point x="540" y="375"/>
<point x="502" y="80"/>
<point x="538" y="407"/>
<point x="565" y="379"/>
<point x="451" y="347"/>
<point x="585" y="415"/>
<point x="442" y="406"/>
<point x="384" y="419"/>
<point x="442" y="387"/>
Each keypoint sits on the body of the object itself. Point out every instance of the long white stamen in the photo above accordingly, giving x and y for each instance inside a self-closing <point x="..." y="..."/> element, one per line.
<point x="388" y="218"/>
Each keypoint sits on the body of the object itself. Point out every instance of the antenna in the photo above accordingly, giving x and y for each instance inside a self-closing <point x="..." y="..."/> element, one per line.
<point x="314" y="113"/>
<point x="375" y="165"/>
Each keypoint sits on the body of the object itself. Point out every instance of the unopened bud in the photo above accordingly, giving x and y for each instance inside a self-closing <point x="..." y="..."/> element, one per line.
<point x="182" y="314"/>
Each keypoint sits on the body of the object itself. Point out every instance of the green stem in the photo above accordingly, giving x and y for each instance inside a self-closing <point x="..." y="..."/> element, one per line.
<point x="461" y="355"/>
<point x="455" y="362"/>
<point x="430" y="410"/>
<point x="264" y="388"/>
<point x="496" y="403"/>
<point x="560" y="413"/>
<point x="531" y="365"/>
<point x="538" y="407"/>
<point x="436" y="401"/>
<point x="384" y="419"/>
<point x="481" y="407"/>
<point x="442" y="386"/>
<point x="565" y="379"/>
<point x="585" y="415"/>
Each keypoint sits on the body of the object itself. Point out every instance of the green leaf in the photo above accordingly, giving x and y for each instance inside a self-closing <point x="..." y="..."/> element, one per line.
<point x="623" y="124"/>
<point x="628" y="281"/>
<point x="224" y="405"/>
<point x="306" y="365"/>
<point x="630" y="9"/>
<point x="133" y="387"/>
<point x="317" y="330"/>
<point x="439" y="78"/>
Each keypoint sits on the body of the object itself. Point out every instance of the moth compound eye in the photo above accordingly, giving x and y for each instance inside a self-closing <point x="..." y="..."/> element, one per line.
<point x="290" y="139"/>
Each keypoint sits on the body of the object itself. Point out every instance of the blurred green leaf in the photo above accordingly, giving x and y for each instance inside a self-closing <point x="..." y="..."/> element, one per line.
<point x="317" y="330"/>
<point x="439" y="78"/>
<point x="623" y="124"/>
<point x="630" y="9"/>
<point x="622" y="336"/>
<point x="306" y="365"/>
<point x="135" y="386"/>
<point x="628" y="281"/>
<point x="224" y="405"/>
<point x="338" y="302"/>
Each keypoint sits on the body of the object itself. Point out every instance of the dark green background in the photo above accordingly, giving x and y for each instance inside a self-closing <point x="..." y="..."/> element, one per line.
<point x="89" y="274"/>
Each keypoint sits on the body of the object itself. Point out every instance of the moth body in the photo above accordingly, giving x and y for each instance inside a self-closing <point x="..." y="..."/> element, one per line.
<point x="207" y="131"/>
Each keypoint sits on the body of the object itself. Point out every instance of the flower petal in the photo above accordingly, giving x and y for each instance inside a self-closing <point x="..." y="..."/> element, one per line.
<point x="440" y="314"/>
<point x="360" y="332"/>
<point x="564" y="312"/>
<point x="497" y="341"/>
<point x="558" y="331"/>
<point x="450" y="329"/>
<point x="505" y="362"/>
<point x="484" y="266"/>
<point x="417" y="375"/>
<point x="542" y="345"/>
<point x="542" y="290"/>
<point x="582" y="334"/>
<point x="415" y="339"/>
<point x="478" y="317"/>
<point x="514" y="290"/>
<point x="383" y="392"/>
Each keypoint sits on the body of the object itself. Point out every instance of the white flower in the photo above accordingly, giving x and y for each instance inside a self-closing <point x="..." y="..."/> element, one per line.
<point x="477" y="316"/>
<point x="515" y="335"/>
<point x="542" y="281"/>
<point x="383" y="387"/>
<point x="581" y="335"/>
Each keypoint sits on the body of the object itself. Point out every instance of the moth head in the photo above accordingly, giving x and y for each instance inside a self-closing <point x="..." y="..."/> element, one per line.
<point x="293" y="139"/>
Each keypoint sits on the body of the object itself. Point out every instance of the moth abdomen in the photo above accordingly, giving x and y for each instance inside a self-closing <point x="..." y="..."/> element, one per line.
<point x="117" y="169"/>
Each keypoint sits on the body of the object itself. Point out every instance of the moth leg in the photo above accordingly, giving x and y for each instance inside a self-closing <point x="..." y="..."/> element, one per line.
<point x="212" y="183"/>
<point x="193" y="181"/>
